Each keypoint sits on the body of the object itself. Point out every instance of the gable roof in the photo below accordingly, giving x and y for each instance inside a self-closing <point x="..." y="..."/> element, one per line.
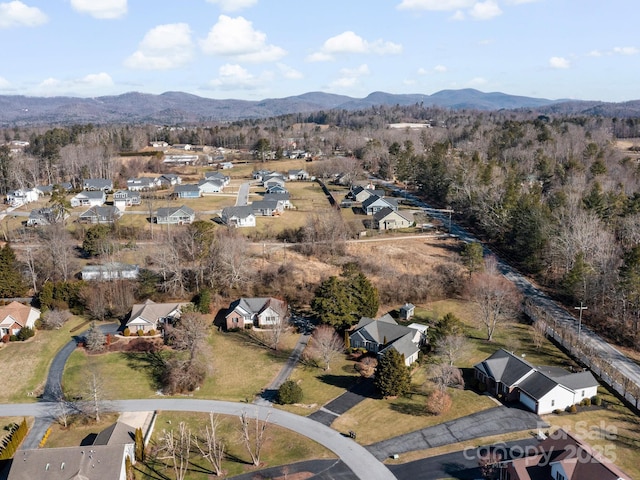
<point x="256" y="305"/>
<point x="91" y="194"/>
<point x="17" y="312"/>
<point x="386" y="211"/>
<point x="172" y="211"/>
<point x="150" y="311"/>
<point x="505" y="367"/>
<point x="187" y="187"/>
<point x="244" y="211"/>
<point x="118" y="433"/>
<point x="392" y="202"/>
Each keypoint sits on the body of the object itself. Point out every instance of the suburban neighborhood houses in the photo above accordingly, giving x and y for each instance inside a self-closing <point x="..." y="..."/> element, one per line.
<point x="300" y="289"/>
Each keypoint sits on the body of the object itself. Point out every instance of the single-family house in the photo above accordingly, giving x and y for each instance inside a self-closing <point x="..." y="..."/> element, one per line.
<point x="282" y="198"/>
<point x="260" y="174"/>
<point x="48" y="189"/>
<point x="158" y="144"/>
<point x="169" y="180"/>
<point x="358" y="193"/>
<point x="46" y="216"/>
<point x="239" y="216"/>
<point x="143" y="183"/>
<point x="379" y="335"/>
<point x="389" y="219"/>
<point x="276" y="188"/>
<point x="175" y="215"/>
<point x="189" y="190"/>
<point x="182" y="146"/>
<point x="212" y="185"/>
<point x="540" y="389"/>
<point x="266" y="208"/>
<point x="22" y="196"/>
<point x="126" y="198"/>
<point x="562" y="456"/>
<point x="225" y="165"/>
<point x="298" y="175"/>
<point x="407" y="311"/>
<point x="374" y="204"/>
<point x="260" y="312"/>
<point x="15" y="316"/>
<point x="110" y="271"/>
<point x="225" y="179"/>
<point x="88" y="199"/>
<point x="149" y="316"/>
<point x="273" y="179"/>
<point x="105" y="458"/>
<point x="95" y="184"/>
<point x="105" y="214"/>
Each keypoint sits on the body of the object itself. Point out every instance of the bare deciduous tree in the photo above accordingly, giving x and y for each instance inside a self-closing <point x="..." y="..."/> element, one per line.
<point x="190" y="333"/>
<point x="496" y="297"/>
<point x="273" y="335"/>
<point x="326" y="344"/>
<point x="54" y="319"/>
<point x="176" y="448"/>
<point x="451" y="346"/>
<point x="444" y="375"/>
<point x="212" y="448"/>
<point x="94" y="339"/>
<point x="253" y="435"/>
<point x="539" y="333"/>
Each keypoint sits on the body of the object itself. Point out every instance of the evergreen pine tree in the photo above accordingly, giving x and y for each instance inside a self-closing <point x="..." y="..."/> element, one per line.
<point x="392" y="375"/>
<point x="12" y="283"/>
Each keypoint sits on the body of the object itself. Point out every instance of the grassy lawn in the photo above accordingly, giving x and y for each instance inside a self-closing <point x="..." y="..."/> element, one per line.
<point x="32" y="359"/>
<point x="238" y="370"/>
<point x="77" y="431"/>
<point x="375" y="420"/>
<point x="319" y="386"/>
<point x="281" y="448"/>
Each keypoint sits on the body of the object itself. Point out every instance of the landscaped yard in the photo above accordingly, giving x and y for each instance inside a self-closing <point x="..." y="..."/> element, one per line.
<point x="29" y="362"/>
<point x="238" y="370"/>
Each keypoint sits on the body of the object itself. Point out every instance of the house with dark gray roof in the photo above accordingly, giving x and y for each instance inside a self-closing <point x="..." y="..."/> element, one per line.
<point x="188" y="190"/>
<point x="359" y="193"/>
<point x="104" y="214"/>
<point x="175" y="215"/>
<point x="540" y="389"/>
<point x="266" y="208"/>
<point x="374" y="204"/>
<point x="95" y="184"/>
<point x="389" y="219"/>
<point x="242" y="216"/>
<point x="379" y="335"/>
<point x="261" y="312"/>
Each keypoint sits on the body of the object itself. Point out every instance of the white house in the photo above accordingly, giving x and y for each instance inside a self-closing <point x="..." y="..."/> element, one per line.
<point x="15" y="316"/>
<point x="110" y="271"/>
<point x="389" y="219"/>
<point x="541" y="389"/>
<point x="212" y="185"/>
<point x="89" y="199"/>
<point x="22" y="196"/>
<point x="142" y="183"/>
<point x="239" y="216"/>
<point x="126" y="198"/>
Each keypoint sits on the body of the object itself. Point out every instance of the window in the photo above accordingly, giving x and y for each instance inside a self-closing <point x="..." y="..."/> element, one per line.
<point x="553" y="403"/>
<point x="583" y="393"/>
<point x="559" y="476"/>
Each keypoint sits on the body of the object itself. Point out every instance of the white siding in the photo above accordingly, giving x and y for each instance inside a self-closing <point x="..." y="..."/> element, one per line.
<point x="558" y="398"/>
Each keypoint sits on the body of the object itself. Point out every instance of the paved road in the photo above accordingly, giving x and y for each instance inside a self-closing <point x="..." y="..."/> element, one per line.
<point x="269" y="394"/>
<point x="603" y="349"/>
<point x="362" y="463"/>
<point x="321" y="470"/>
<point x="243" y="195"/>
<point x="495" y="421"/>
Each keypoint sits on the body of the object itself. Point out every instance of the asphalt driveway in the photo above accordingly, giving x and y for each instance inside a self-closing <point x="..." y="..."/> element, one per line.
<point x="495" y="421"/>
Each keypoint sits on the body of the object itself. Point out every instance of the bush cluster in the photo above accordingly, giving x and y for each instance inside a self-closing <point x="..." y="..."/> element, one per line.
<point x="289" y="392"/>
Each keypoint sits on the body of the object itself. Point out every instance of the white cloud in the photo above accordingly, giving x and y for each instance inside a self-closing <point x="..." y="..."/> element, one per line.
<point x="233" y="5"/>
<point x="17" y="14"/>
<point x="163" y="47"/>
<point x="236" y="77"/>
<point x="89" y="85"/>
<point x="435" y="5"/>
<point x="350" y="76"/>
<point x="349" y="42"/>
<point x="236" y="37"/>
<point x="485" y="10"/>
<point x="422" y="71"/>
<point x="440" y="68"/>
<point x="458" y="16"/>
<point x="106" y="9"/>
<point x="626" y="50"/>
<point x="477" y="82"/>
<point x="594" y="53"/>
<point x="289" y="72"/>
<point x="559" y="63"/>
<point x="4" y="83"/>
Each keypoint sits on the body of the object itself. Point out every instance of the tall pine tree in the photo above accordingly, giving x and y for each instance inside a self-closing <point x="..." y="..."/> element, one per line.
<point x="12" y="283"/>
<point x="392" y="375"/>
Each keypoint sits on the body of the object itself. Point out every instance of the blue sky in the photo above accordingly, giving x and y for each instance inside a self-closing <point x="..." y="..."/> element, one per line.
<point x="256" y="49"/>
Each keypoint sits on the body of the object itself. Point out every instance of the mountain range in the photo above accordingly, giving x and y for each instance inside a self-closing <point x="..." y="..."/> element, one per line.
<point x="173" y="108"/>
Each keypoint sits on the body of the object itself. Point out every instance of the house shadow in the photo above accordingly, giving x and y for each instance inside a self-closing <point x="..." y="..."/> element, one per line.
<point x="88" y="440"/>
<point x="220" y="319"/>
<point x="341" y="381"/>
<point x="412" y="409"/>
<point x="460" y="471"/>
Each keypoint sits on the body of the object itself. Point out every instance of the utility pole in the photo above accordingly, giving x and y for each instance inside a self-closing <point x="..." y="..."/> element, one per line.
<point x="581" y="308"/>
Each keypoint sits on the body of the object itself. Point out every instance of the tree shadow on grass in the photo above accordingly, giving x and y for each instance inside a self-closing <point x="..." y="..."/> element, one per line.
<point x="153" y="363"/>
<point x="413" y="409"/>
<point x="342" y="381"/>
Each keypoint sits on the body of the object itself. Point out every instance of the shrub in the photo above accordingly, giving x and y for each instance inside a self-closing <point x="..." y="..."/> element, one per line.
<point x="5" y="338"/>
<point x="438" y="402"/>
<point x="289" y="392"/>
<point x="596" y="400"/>
<point x="140" y="333"/>
<point x="557" y="411"/>
<point x="25" y="333"/>
<point x="572" y="409"/>
<point x="13" y="338"/>
<point x="585" y="402"/>
<point x="151" y="332"/>
<point x="126" y="332"/>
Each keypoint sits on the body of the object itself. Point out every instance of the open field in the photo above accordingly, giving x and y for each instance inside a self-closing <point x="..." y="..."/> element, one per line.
<point x="31" y="359"/>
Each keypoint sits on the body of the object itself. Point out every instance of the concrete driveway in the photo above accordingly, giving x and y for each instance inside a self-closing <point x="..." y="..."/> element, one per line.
<point x="495" y="421"/>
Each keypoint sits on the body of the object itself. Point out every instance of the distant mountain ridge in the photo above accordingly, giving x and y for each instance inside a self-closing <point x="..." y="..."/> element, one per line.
<point x="180" y="108"/>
